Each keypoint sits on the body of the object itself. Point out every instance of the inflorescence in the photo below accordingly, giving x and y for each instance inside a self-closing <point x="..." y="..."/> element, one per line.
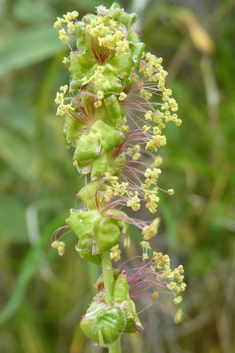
<point x="115" y="109"/>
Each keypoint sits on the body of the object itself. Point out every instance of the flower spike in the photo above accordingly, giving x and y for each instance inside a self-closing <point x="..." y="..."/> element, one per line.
<point x="115" y="109"/>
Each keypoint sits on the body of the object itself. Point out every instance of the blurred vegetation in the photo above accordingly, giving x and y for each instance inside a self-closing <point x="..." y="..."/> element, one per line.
<point x="43" y="296"/>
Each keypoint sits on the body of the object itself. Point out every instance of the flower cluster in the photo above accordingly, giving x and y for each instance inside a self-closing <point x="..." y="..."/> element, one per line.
<point x="115" y="109"/>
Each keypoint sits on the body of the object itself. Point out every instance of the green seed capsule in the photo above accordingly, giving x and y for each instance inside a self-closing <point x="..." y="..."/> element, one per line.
<point x="89" y="192"/>
<point x="119" y="217"/>
<point x="124" y="18"/>
<point x="115" y="11"/>
<point x="82" y="65"/>
<point x="108" y="234"/>
<point x="121" y="65"/>
<point x="99" y="166"/>
<point x="115" y="112"/>
<point x="85" y="250"/>
<point x="88" y="147"/>
<point x="83" y="223"/>
<point x="72" y="131"/>
<point x="109" y="136"/>
<point x="137" y="52"/>
<point x="103" y="324"/>
<point x="78" y="33"/>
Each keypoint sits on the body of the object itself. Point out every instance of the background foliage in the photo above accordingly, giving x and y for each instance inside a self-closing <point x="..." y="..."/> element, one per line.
<point x="43" y="296"/>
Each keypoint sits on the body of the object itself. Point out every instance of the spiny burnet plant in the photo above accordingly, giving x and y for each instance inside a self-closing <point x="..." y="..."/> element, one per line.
<point x="115" y="108"/>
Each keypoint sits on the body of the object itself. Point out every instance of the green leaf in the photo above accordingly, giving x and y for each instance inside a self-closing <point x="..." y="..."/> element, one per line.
<point x="18" y="154"/>
<point x="24" y="11"/>
<point x="29" y="46"/>
<point x="12" y="219"/>
<point x="18" y="117"/>
<point x="34" y="259"/>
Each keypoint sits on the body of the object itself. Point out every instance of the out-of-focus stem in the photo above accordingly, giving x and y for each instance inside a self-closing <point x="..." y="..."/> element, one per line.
<point x="108" y="276"/>
<point x="109" y="288"/>
<point x="116" y="347"/>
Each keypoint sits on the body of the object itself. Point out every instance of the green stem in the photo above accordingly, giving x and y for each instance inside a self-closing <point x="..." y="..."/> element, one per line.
<point x="109" y="288"/>
<point x="116" y="347"/>
<point x="108" y="276"/>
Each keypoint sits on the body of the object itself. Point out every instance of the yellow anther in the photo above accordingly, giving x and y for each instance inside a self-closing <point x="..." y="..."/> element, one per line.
<point x="65" y="60"/>
<point x="178" y="122"/>
<point x="134" y="202"/>
<point x="130" y="316"/>
<point x="136" y="156"/>
<point x="55" y="244"/>
<point x="149" y="231"/>
<point x="100" y="95"/>
<point x="145" y="245"/>
<point x="115" y="253"/>
<point x="64" y="89"/>
<point x="154" y="295"/>
<point x="97" y="104"/>
<point x="122" y="96"/>
<point x="61" y="250"/>
<point x="177" y="300"/>
<point x="178" y="316"/>
<point x="126" y="242"/>
<point x="111" y="178"/>
<point x="146" y="128"/>
<point x="145" y="256"/>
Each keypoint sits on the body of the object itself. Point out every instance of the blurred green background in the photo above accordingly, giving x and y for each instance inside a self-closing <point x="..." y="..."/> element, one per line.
<point x="43" y="296"/>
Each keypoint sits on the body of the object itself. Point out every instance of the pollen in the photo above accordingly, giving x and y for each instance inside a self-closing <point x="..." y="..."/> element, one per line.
<point x="157" y="162"/>
<point x="178" y="300"/>
<point x="155" y="295"/>
<point x="146" y="128"/>
<point x="122" y="96"/>
<point x="178" y="316"/>
<point x="148" y="115"/>
<point x="60" y="246"/>
<point x="64" y="89"/>
<point x="108" y="195"/>
<point x="150" y="231"/>
<point x="66" y="61"/>
<point x="145" y="256"/>
<point x="134" y="202"/>
<point x="115" y="253"/>
<point x="97" y="104"/>
<point x="145" y="245"/>
<point x="100" y="95"/>
<point x="113" y="179"/>
<point x="170" y="191"/>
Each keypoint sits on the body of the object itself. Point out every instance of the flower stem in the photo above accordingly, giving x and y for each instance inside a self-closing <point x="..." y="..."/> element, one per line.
<point x="108" y="276"/>
<point x="116" y="347"/>
<point x="109" y="288"/>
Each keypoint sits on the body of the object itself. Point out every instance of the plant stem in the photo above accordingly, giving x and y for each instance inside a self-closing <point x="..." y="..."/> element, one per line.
<point x="108" y="276"/>
<point x="116" y="347"/>
<point x="109" y="288"/>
